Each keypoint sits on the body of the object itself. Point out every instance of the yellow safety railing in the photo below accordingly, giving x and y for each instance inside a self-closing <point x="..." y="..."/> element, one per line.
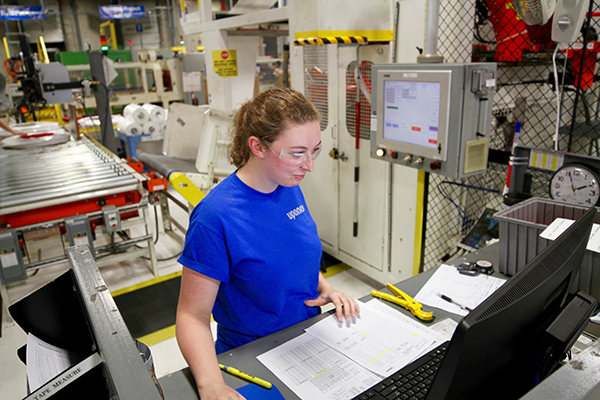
<point x="113" y="34"/>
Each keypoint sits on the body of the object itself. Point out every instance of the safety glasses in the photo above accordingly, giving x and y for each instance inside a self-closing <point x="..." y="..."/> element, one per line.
<point x="295" y="158"/>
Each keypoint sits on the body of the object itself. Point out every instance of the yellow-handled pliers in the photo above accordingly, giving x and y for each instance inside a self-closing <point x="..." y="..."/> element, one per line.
<point x="405" y="301"/>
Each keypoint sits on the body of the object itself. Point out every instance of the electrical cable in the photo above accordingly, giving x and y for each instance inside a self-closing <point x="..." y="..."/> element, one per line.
<point x="164" y="259"/>
<point x="11" y="70"/>
<point x="96" y="131"/>
<point x="464" y="216"/>
<point x="471" y="187"/>
<point x="155" y="229"/>
<point x="125" y="236"/>
<point x="462" y="213"/>
<point x="107" y="112"/>
<point x="450" y="256"/>
<point x="478" y="36"/>
<point x="556" y="90"/>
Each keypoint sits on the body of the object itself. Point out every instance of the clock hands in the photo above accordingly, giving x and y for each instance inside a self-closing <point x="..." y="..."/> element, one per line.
<point x="575" y="184"/>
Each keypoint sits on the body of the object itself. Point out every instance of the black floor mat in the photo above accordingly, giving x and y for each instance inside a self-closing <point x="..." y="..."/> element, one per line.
<point x="151" y="308"/>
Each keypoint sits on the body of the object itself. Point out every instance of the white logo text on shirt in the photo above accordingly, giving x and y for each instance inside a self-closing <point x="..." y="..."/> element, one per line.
<point x="295" y="212"/>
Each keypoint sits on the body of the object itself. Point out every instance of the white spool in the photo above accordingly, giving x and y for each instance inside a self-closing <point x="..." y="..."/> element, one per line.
<point x="135" y="112"/>
<point x="157" y="113"/>
<point x="129" y="108"/>
<point x="152" y="55"/>
<point x="142" y="57"/>
<point x="150" y="127"/>
<point x="129" y="127"/>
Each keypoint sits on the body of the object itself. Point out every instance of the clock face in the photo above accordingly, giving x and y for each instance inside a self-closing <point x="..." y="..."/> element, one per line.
<point x="575" y="184"/>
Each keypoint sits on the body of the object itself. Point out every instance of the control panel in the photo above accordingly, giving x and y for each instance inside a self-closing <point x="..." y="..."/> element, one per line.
<point x="12" y="268"/>
<point x="79" y="232"/>
<point x="433" y="117"/>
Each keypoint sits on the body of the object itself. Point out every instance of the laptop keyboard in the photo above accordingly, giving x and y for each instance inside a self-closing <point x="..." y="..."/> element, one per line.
<point x="411" y="382"/>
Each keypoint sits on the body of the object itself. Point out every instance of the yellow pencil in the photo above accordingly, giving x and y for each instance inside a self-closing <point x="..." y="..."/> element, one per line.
<point x="248" y="377"/>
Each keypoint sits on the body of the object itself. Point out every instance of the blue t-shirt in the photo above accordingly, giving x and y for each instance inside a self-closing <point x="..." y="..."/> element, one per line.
<point x="265" y="250"/>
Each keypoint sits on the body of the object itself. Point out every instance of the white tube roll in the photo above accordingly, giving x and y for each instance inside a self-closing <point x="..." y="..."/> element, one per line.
<point x="157" y="113"/>
<point x="129" y="108"/>
<point x="136" y="113"/>
<point x="129" y="127"/>
<point x="150" y="128"/>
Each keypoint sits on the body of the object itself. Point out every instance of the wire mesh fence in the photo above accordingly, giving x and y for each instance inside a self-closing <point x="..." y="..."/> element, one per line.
<point x="553" y="92"/>
<point x="316" y="80"/>
<point x="529" y="68"/>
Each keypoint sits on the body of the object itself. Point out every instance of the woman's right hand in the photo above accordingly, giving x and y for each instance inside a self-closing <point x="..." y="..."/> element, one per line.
<point x="219" y="391"/>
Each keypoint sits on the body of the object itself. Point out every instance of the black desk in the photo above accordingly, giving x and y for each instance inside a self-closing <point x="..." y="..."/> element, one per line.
<point x="180" y="385"/>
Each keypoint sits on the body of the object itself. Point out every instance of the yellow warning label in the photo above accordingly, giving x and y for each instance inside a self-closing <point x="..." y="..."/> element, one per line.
<point x="225" y="63"/>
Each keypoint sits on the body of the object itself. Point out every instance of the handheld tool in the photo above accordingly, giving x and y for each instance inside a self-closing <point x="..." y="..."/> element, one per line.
<point x="405" y="301"/>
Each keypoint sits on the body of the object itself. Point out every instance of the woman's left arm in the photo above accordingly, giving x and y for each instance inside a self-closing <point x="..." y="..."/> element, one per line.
<point x="345" y="305"/>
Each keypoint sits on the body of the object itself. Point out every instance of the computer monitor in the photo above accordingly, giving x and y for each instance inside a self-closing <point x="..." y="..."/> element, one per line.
<point x="496" y="351"/>
<point x="415" y="112"/>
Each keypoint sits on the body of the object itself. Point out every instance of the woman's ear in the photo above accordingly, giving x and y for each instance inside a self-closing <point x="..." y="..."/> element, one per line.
<point x="256" y="147"/>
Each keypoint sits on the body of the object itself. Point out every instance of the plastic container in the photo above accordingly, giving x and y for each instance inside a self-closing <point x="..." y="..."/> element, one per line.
<point x="520" y="241"/>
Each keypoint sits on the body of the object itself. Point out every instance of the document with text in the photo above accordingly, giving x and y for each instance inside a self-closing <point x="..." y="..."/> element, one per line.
<point x="442" y="330"/>
<point x="313" y="370"/>
<point x="374" y="340"/>
<point x="462" y="290"/>
<point x="44" y="361"/>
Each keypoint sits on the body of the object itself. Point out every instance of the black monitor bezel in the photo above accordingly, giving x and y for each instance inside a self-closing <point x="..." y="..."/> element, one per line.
<point x="494" y="349"/>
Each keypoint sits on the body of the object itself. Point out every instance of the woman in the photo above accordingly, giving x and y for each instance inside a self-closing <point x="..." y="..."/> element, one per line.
<point x="9" y="129"/>
<point x="252" y="252"/>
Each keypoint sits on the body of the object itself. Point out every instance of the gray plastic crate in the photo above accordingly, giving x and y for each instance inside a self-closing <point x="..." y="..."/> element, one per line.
<point x="520" y="241"/>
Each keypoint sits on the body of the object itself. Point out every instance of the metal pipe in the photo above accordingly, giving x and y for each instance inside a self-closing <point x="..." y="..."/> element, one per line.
<point x="170" y="5"/>
<point x="77" y="27"/>
<point x="431" y="34"/>
<point x="104" y="249"/>
<point x="64" y="185"/>
<point x="64" y="180"/>
<point x="25" y="198"/>
<point x="390" y="181"/>
<point x="55" y="169"/>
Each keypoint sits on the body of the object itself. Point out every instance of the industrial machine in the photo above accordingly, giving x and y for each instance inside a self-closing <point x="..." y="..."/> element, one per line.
<point x="56" y="197"/>
<point x="194" y="155"/>
<point x="157" y="81"/>
<point x="372" y="224"/>
<point x="41" y="84"/>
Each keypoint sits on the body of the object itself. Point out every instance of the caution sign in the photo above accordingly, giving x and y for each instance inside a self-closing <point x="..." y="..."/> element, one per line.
<point x="225" y="63"/>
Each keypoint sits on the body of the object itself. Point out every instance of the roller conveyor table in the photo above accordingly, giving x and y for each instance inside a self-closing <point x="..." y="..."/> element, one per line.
<point x="33" y="179"/>
<point x="69" y="191"/>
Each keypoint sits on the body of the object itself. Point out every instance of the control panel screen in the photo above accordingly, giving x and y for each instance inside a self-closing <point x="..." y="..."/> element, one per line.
<point x="412" y="112"/>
